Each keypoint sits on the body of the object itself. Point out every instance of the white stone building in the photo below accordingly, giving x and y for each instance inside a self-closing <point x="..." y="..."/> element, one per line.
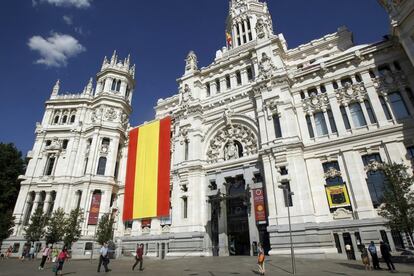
<point x="315" y="119"/>
<point x="262" y="115"/>
<point x="78" y="150"/>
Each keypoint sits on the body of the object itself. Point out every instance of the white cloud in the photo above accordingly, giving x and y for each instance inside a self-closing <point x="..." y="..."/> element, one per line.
<point x="55" y="50"/>
<point x="66" y="3"/>
<point x="68" y="19"/>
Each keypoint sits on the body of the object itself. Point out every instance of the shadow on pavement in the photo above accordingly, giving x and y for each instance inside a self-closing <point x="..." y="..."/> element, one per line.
<point x="336" y="273"/>
<point x="354" y="266"/>
<point x="281" y="268"/>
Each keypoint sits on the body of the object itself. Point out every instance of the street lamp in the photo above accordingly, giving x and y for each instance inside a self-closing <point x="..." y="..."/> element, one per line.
<point x="287" y="194"/>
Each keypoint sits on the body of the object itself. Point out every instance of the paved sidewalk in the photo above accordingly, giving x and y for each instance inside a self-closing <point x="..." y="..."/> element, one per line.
<point x="202" y="266"/>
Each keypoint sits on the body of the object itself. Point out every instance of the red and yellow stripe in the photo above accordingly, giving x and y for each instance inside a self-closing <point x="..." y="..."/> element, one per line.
<point x="147" y="184"/>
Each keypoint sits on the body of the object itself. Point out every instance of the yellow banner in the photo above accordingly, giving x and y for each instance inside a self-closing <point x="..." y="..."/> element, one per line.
<point x="337" y="196"/>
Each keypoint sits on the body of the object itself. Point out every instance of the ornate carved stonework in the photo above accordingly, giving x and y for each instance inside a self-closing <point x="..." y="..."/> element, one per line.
<point x="231" y="150"/>
<point x="186" y="95"/>
<point x="342" y="213"/>
<point x="332" y="173"/>
<point x="165" y="229"/>
<point x="266" y="67"/>
<point x="262" y="29"/>
<point x="351" y="93"/>
<point x="146" y="230"/>
<point x="183" y="134"/>
<point x="373" y="166"/>
<point x="111" y="114"/>
<point x="315" y="103"/>
<point x="55" y="145"/>
<point x="237" y="132"/>
<point x="390" y="82"/>
<point x="238" y="7"/>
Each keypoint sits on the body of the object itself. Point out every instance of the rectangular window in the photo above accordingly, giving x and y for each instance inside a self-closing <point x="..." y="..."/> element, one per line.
<point x="65" y="144"/>
<point x="276" y="123"/>
<point x="385" y="108"/>
<point x="345" y="118"/>
<point x="208" y="90"/>
<point x="185" y="207"/>
<point x="398" y="105"/>
<point x="228" y="83"/>
<point x="218" y="85"/>
<point x="370" y="112"/>
<point x="86" y="165"/>
<point x="238" y="78"/>
<point x="50" y="165"/>
<point x="320" y="124"/>
<point x="357" y="115"/>
<point x="101" y="166"/>
<point x="410" y="152"/>
<point x="332" y="166"/>
<point x="186" y="145"/>
<point x="310" y="128"/>
<point x="250" y="74"/>
<point x="375" y="179"/>
<point x="287" y="194"/>
<point x="332" y="121"/>
<point x="337" y="243"/>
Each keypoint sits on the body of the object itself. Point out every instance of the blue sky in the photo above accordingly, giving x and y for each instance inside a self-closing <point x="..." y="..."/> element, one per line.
<point x="75" y="35"/>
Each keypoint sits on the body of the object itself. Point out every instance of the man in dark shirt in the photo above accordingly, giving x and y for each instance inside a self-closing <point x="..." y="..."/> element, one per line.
<point x="386" y="255"/>
<point x="138" y="257"/>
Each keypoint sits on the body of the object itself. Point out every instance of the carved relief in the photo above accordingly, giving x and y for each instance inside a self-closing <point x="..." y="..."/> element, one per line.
<point x="220" y="147"/>
<point x="110" y="114"/>
<point x="351" y="93"/>
<point x="238" y="7"/>
<point x="390" y="82"/>
<point x="186" y="95"/>
<point x="315" y="103"/>
<point x="342" y="213"/>
<point x="266" y="67"/>
<point x="373" y="166"/>
<point x="261" y="29"/>
<point x="332" y="173"/>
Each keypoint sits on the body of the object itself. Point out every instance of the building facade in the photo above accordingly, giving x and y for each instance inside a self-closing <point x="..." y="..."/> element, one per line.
<point x="315" y="120"/>
<point x="78" y="152"/>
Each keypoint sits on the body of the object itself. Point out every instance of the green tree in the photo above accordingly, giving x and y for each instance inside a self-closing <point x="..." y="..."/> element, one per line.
<point x="73" y="227"/>
<point x="11" y="166"/>
<point x="56" y="227"/>
<point x="104" y="230"/>
<point x="398" y="200"/>
<point x="35" y="231"/>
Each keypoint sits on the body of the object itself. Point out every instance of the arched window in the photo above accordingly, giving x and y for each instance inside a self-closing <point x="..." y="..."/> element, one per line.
<point x="101" y="166"/>
<point x="64" y="119"/>
<point x="72" y="118"/>
<point x="113" y="86"/>
<point x="118" y="85"/>
<point x="56" y="120"/>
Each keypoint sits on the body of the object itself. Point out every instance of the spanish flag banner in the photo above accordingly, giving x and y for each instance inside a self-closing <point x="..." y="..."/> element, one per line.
<point x="147" y="184"/>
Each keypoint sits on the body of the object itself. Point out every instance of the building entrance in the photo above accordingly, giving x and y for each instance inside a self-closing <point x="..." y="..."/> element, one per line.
<point x="237" y="203"/>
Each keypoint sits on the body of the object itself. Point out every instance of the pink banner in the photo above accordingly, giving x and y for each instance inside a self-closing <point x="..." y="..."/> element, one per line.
<point x="94" y="210"/>
<point x="259" y="206"/>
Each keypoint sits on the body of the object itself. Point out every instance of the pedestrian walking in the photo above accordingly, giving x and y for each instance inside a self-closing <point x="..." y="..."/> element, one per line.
<point x="374" y="255"/>
<point x="261" y="259"/>
<point x="386" y="255"/>
<point x="63" y="255"/>
<point x="139" y="256"/>
<point x="45" y="255"/>
<point x="365" y="257"/>
<point x="31" y="253"/>
<point x="9" y="252"/>
<point x="25" y="252"/>
<point x="54" y="254"/>
<point x="104" y="258"/>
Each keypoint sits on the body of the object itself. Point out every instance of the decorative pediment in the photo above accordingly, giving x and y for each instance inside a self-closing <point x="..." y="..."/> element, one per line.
<point x="390" y="82"/>
<point x="373" y="166"/>
<point x="315" y="103"/>
<point x="351" y="93"/>
<point x="332" y="173"/>
<point x="223" y="145"/>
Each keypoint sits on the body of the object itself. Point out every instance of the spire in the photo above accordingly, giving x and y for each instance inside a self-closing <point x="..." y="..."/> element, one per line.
<point x="88" y="88"/>
<point x="114" y="58"/>
<point x="56" y="89"/>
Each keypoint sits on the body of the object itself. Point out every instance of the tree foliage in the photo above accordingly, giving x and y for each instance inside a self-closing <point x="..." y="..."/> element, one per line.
<point x="56" y="227"/>
<point x="398" y="201"/>
<point x="11" y="166"/>
<point x="104" y="230"/>
<point x="73" y="227"/>
<point x="35" y="231"/>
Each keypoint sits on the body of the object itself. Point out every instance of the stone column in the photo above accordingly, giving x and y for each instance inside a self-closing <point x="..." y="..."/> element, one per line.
<point x="213" y="88"/>
<point x="47" y="202"/>
<point x="246" y="30"/>
<point x="234" y="37"/>
<point x="359" y="191"/>
<point x="312" y="119"/>
<point x="107" y="85"/>
<point x="365" y="112"/>
<point x="233" y="80"/>
<point x="348" y="114"/>
<point x="270" y="179"/>
<point x="328" y="123"/>
<point x="35" y="203"/>
<point x="223" y="85"/>
<point x="340" y="126"/>
<point x="241" y="33"/>
<point x="244" y="76"/>
<point x="374" y="99"/>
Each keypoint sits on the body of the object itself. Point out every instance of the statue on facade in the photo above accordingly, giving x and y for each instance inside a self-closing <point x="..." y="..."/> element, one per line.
<point x="231" y="151"/>
<point x="186" y="94"/>
<point x="191" y="62"/>
<point x="261" y="29"/>
<point x="266" y="67"/>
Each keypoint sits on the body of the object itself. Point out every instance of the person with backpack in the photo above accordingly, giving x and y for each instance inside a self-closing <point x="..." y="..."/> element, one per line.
<point x="261" y="259"/>
<point x="139" y="256"/>
<point x="374" y="255"/>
